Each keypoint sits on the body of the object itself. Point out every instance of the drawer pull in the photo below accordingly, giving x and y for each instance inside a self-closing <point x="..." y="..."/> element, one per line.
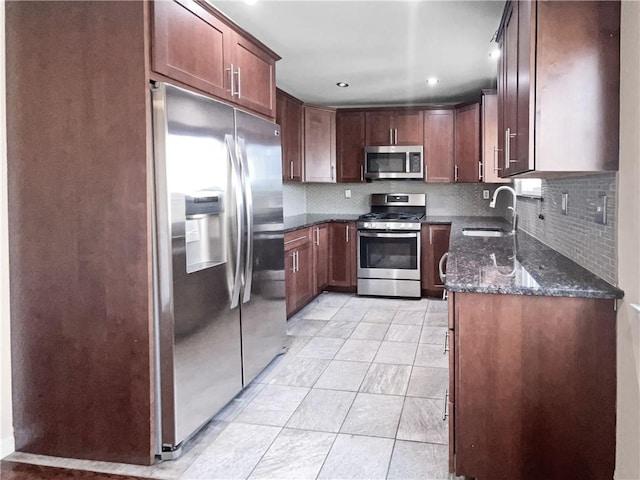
<point x="445" y="413"/>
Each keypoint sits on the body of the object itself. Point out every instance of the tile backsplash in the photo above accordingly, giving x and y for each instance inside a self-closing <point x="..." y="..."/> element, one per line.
<point x="575" y="235"/>
<point x="442" y="199"/>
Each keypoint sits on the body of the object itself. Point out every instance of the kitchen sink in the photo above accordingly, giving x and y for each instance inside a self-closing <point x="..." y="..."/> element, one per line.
<point x="485" y="232"/>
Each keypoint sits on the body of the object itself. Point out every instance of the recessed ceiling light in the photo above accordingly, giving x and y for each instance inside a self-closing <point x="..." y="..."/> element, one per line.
<point x="432" y="81"/>
<point x="494" y="54"/>
<point x="251" y="2"/>
<point x="342" y="84"/>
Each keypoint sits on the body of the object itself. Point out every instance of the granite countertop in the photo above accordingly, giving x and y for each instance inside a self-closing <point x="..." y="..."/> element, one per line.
<point x="301" y="221"/>
<point x="517" y="264"/>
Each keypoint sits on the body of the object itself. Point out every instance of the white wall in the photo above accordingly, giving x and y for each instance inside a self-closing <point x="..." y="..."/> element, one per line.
<point x="6" y="421"/>
<point x="628" y="408"/>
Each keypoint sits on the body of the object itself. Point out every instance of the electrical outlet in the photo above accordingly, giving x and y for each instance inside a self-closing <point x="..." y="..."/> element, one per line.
<point x="485" y="194"/>
<point x="347" y="193"/>
<point x="564" y="207"/>
<point x="601" y="209"/>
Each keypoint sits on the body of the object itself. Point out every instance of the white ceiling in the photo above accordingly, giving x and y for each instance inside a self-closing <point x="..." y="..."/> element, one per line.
<point x="385" y="50"/>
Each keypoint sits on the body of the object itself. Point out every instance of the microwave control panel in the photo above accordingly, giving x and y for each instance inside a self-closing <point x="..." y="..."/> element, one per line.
<point x="415" y="162"/>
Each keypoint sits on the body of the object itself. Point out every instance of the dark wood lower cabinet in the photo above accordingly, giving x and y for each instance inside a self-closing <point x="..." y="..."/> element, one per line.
<point x="434" y="244"/>
<point x="342" y="270"/>
<point x="299" y="269"/>
<point x="534" y="387"/>
<point x="321" y="256"/>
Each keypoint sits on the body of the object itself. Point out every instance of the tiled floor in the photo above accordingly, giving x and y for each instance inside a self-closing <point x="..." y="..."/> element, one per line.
<point x="359" y="394"/>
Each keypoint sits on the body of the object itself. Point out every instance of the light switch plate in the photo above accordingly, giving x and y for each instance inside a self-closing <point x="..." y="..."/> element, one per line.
<point x="485" y="194"/>
<point x="601" y="209"/>
<point x="347" y="193"/>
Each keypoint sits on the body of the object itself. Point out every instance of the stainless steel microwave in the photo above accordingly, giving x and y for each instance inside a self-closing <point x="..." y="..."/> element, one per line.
<point x="393" y="161"/>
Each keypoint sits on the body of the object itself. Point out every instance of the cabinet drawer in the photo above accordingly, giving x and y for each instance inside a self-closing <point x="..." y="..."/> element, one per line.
<point x="296" y="239"/>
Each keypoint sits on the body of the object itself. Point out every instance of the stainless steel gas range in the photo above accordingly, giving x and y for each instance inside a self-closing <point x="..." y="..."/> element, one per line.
<point x="389" y="245"/>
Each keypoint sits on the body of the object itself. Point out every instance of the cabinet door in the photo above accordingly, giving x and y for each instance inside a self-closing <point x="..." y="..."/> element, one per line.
<point x="524" y="158"/>
<point x="290" y="281"/>
<point x="191" y="45"/>
<point x="305" y="275"/>
<point x="378" y="128"/>
<point x="289" y="117"/>
<point x="281" y="106"/>
<point x="350" y="133"/>
<point x="408" y="128"/>
<point x="254" y="76"/>
<point x="510" y="95"/>
<point x="489" y="123"/>
<point x="439" y="146"/>
<point x="467" y="143"/>
<point x="340" y="268"/>
<point x="321" y="256"/>
<point x="319" y="145"/>
<point x="533" y="367"/>
<point x="438" y="245"/>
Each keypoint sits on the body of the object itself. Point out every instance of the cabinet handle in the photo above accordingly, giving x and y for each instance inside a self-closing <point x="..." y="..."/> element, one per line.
<point x="456" y="174"/>
<point x="507" y="148"/>
<point x="443" y="276"/>
<point x="480" y="175"/>
<point x="430" y="236"/>
<point x="239" y="91"/>
<point x="446" y="342"/>
<point x="496" y="168"/>
<point x="362" y="173"/>
<point x="318" y="236"/>
<point x="347" y="233"/>
<point x="391" y="136"/>
<point x="395" y="140"/>
<point x="293" y="262"/>
<point x="291" y="170"/>
<point x="446" y="404"/>
<point x="297" y="261"/>
<point x="333" y="168"/>
<point x="230" y="70"/>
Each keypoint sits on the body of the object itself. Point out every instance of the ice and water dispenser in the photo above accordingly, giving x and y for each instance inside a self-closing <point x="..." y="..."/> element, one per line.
<point x="205" y="234"/>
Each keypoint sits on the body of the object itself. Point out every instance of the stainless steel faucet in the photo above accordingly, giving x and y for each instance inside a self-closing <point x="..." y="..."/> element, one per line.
<point x="492" y="204"/>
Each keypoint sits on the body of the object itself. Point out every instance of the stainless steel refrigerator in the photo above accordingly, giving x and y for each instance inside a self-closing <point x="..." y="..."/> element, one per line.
<point x="219" y="256"/>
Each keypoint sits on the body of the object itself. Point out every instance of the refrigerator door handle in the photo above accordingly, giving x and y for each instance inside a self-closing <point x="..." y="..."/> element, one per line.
<point x="236" y="183"/>
<point x="246" y="187"/>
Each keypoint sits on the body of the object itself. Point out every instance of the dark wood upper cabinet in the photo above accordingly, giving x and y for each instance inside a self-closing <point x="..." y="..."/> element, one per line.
<point x="467" y="143"/>
<point x="350" y="135"/>
<point x="378" y="128"/>
<point x="439" y="146"/>
<point x="391" y="127"/>
<point x="408" y="128"/>
<point x="196" y="46"/>
<point x="489" y="135"/>
<point x="289" y="117"/>
<point x="558" y="87"/>
<point x="319" y="144"/>
<point x="254" y="76"/>
<point x="182" y="31"/>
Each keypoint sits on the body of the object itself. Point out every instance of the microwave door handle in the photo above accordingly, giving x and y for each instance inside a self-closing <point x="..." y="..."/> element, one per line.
<point x="388" y="235"/>
<point x="408" y="163"/>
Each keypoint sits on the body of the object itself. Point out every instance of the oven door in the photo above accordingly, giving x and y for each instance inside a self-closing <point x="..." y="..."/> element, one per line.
<point x="392" y="255"/>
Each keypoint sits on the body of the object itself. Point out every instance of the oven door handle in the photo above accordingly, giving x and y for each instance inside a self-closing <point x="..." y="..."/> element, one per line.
<point x="388" y="235"/>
